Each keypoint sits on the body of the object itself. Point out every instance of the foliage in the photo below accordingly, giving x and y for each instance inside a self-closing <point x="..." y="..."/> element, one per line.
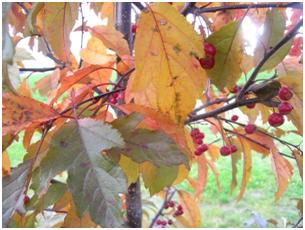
<point x="124" y="108"/>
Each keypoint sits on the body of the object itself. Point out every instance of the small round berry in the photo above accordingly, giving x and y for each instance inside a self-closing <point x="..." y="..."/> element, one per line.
<point x="159" y="222"/>
<point x="171" y="203"/>
<point x="285" y="93"/>
<point x="194" y="132"/>
<point x="199" y="135"/>
<point x="113" y="100"/>
<point x="170" y="222"/>
<point x="233" y="148"/>
<point x="134" y="28"/>
<point x="234" y="118"/>
<point x="198" y="141"/>
<point x="164" y="222"/>
<point x="166" y="206"/>
<point x="225" y="150"/>
<point x="203" y="147"/>
<point x="207" y="62"/>
<point x="26" y="199"/>
<point x="276" y="119"/>
<point x="198" y="152"/>
<point x="250" y="128"/>
<point x="179" y="207"/>
<point x="285" y="108"/>
<point x="235" y="89"/>
<point x="250" y="105"/>
<point x="115" y="95"/>
<point x="209" y="49"/>
<point x="178" y="212"/>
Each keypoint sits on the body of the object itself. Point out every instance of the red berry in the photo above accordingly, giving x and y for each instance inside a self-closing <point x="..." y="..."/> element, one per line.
<point x="251" y="105"/>
<point x="235" y="89"/>
<point x="200" y="135"/>
<point x="26" y="199"/>
<point x="225" y="150"/>
<point x="115" y="95"/>
<point x="207" y="62"/>
<point x="285" y="108"/>
<point x="285" y="93"/>
<point x="233" y="148"/>
<point x="166" y="206"/>
<point x="159" y="222"/>
<point x="203" y="147"/>
<point x="164" y="222"/>
<point x="170" y="222"/>
<point x="198" y="141"/>
<point x="209" y="49"/>
<point x="179" y="207"/>
<point x="234" y="118"/>
<point x="178" y="213"/>
<point x="134" y="28"/>
<point x="113" y="100"/>
<point x="171" y="203"/>
<point x="276" y="119"/>
<point x="250" y="128"/>
<point x="194" y="132"/>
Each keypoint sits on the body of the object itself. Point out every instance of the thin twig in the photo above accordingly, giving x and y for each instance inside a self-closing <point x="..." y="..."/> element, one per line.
<point x="297" y="224"/>
<point x="204" y="9"/>
<point x="168" y="197"/>
<point x="268" y="55"/>
<point x="82" y="35"/>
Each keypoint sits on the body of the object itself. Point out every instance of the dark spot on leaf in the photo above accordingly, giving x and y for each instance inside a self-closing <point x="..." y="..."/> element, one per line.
<point x="63" y="144"/>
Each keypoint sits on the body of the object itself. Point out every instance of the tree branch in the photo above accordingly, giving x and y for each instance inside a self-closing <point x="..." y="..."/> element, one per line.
<point x="82" y="35"/>
<point x="138" y="5"/>
<point x="201" y="10"/>
<point x="282" y="42"/>
<point x="188" y="8"/>
<point x="222" y="109"/>
<point x="40" y="69"/>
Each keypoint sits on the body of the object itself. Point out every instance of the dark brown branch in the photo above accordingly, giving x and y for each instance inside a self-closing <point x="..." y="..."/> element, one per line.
<point x="298" y="223"/>
<point x="222" y="109"/>
<point x="39" y="69"/>
<point x="297" y="5"/>
<point x="138" y="5"/>
<point x="188" y="8"/>
<point x="82" y="35"/>
<point x="282" y="42"/>
<point x="21" y="4"/>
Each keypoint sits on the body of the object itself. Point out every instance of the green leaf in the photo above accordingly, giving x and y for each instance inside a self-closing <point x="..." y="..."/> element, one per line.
<point x="12" y="189"/>
<point x="155" y="179"/>
<point x="93" y="179"/>
<point x="144" y="145"/>
<point x="274" y="28"/>
<point x="229" y="44"/>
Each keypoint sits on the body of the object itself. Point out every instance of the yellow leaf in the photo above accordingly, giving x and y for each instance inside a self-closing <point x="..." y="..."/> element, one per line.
<point x="167" y="72"/>
<point x="5" y="164"/>
<point x="247" y="165"/>
<point x="94" y="58"/>
<point x="130" y="168"/>
<point x="182" y="174"/>
<point x="282" y="170"/>
<point x="191" y="217"/>
<point x="299" y="160"/>
<point x="111" y="38"/>
<point x="72" y="220"/>
<point x="59" y="21"/>
<point x="108" y="12"/>
<point x="216" y="173"/>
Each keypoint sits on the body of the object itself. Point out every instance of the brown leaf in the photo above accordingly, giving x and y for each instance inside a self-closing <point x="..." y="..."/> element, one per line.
<point x="299" y="160"/>
<point x="19" y="112"/>
<point x="5" y="164"/>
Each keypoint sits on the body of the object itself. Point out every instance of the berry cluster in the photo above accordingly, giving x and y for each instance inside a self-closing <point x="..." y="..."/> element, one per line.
<point x="198" y="140"/>
<point x="284" y="108"/>
<point x="114" y="98"/>
<point x="228" y="150"/>
<point x="209" y="61"/>
<point x="178" y="212"/>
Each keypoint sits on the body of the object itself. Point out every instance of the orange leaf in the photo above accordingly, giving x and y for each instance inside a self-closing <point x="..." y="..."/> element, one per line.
<point x="202" y="175"/>
<point x="191" y="217"/>
<point x="283" y="172"/>
<point x="58" y="23"/>
<point x="19" y="112"/>
<point x="111" y="38"/>
<point x="216" y="173"/>
<point x="299" y="160"/>
<point x="5" y="164"/>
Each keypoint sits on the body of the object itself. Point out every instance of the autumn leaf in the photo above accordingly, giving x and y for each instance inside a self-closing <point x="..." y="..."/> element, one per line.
<point x="59" y="20"/>
<point x="111" y="38"/>
<point x="228" y="42"/>
<point x="19" y="112"/>
<point x="274" y="28"/>
<point x="167" y="67"/>
<point x="282" y="170"/>
<point x="76" y="147"/>
<point x="191" y="217"/>
<point x="5" y="164"/>
<point x="299" y="160"/>
<point x="12" y="188"/>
